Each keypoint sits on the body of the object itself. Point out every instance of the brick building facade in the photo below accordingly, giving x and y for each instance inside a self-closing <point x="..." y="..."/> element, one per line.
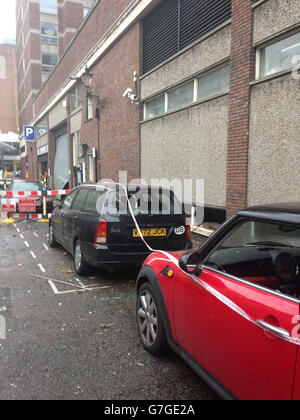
<point x="44" y="29"/>
<point x="8" y="89"/>
<point x="217" y="99"/>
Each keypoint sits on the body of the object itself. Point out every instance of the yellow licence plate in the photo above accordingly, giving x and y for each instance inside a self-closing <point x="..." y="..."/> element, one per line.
<point x="150" y="232"/>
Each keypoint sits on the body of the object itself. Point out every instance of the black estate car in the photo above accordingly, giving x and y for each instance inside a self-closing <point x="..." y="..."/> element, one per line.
<point x="95" y="225"/>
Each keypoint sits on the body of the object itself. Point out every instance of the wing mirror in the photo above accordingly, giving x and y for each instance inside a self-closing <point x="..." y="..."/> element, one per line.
<point x="191" y="263"/>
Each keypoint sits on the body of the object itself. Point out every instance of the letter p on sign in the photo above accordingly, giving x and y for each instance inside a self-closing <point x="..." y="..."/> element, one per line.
<point x="29" y="133"/>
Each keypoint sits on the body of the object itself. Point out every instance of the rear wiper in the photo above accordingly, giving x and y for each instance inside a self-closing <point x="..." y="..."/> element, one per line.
<point x="268" y="243"/>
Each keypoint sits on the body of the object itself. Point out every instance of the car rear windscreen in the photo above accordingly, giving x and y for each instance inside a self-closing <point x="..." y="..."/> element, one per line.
<point x="145" y="202"/>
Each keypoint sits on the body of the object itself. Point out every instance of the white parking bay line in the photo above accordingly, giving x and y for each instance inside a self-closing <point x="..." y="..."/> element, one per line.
<point x="27" y="244"/>
<point x="54" y="288"/>
<point x="21" y="236"/>
<point x="41" y="268"/>
<point x="35" y="234"/>
<point x="45" y="246"/>
<point x="18" y="230"/>
<point x="33" y="255"/>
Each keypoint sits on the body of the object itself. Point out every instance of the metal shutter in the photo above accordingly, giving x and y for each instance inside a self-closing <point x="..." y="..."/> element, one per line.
<point x="198" y="17"/>
<point x="160" y="34"/>
<point x="175" y="24"/>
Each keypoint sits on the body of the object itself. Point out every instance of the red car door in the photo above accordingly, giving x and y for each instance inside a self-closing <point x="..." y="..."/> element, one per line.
<point x="224" y="325"/>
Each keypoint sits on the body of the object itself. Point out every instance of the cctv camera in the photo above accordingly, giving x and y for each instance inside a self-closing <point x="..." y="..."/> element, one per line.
<point x="133" y="97"/>
<point x="127" y="93"/>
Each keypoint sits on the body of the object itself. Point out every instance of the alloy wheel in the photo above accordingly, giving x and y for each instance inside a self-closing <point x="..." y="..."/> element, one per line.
<point x="78" y="256"/>
<point x="147" y="318"/>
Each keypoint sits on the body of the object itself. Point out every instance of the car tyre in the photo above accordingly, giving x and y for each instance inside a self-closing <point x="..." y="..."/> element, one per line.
<point x="81" y="266"/>
<point x="150" y="322"/>
<point x="51" y="237"/>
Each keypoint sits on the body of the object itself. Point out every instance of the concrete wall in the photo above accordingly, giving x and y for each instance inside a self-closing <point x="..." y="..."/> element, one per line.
<point x="204" y="54"/>
<point x="189" y="144"/>
<point x="274" y="17"/>
<point x="274" y="174"/>
<point x="75" y="121"/>
<point x="42" y="141"/>
<point x="57" y="115"/>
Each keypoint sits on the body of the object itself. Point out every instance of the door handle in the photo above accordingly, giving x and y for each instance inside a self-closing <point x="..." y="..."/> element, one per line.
<point x="279" y="332"/>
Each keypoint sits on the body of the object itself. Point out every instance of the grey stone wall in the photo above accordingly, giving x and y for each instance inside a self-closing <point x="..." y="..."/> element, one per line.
<point x="274" y="154"/>
<point x="190" y="144"/>
<point x="274" y="17"/>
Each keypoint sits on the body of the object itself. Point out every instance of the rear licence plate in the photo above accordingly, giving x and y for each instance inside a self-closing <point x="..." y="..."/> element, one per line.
<point x="150" y="232"/>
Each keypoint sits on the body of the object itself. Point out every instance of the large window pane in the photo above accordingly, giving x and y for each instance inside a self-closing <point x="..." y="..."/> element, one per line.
<point x="279" y="56"/>
<point x="48" y="6"/>
<point x="155" y="107"/>
<point x="48" y="34"/>
<point x="262" y="253"/>
<point x="213" y="83"/>
<point x="49" y="60"/>
<point x="181" y="96"/>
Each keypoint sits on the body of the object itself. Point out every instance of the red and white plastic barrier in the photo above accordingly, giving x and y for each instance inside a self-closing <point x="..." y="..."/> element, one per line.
<point x="58" y="192"/>
<point x="16" y="194"/>
<point x="10" y="198"/>
<point x="24" y="216"/>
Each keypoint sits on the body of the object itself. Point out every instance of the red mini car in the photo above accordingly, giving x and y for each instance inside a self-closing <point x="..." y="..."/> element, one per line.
<point x="231" y="308"/>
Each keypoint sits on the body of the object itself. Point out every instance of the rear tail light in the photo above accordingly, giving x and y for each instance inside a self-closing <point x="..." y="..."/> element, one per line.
<point x="101" y="234"/>
<point x="188" y="232"/>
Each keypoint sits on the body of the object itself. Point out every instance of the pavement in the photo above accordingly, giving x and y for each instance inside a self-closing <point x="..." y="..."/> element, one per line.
<point x="76" y="339"/>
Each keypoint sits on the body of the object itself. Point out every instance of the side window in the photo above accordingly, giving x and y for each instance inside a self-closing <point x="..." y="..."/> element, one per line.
<point x="262" y="253"/>
<point x="69" y="200"/>
<point x="94" y="201"/>
<point x="79" y="200"/>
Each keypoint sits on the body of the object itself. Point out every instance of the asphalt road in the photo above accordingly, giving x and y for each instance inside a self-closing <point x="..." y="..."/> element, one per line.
<point x="66" y="341"/>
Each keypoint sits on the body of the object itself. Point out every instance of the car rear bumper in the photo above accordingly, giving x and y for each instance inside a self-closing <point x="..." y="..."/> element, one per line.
<point x="102" y="255"/>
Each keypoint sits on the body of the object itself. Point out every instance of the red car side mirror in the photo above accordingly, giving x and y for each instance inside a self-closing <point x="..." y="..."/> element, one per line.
<point x="191" y="263"/>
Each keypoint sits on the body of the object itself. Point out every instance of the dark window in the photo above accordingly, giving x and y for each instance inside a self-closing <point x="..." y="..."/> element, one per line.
<point x="48" y="33"/>
<point x="266" y="254"/>
<point x="69" y="200"/>
<point x="175" y="24"/>
<point x="79" y="200"/>
<point x="94" y="202"/>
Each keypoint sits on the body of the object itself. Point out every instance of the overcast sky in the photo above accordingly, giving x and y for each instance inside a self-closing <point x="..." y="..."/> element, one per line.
<point x="7" y="20"/>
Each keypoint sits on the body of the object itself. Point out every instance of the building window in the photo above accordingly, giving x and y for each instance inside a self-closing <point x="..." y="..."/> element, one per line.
<point x="89" y="108"/>
<point x="48" y="62"/>
<point x="76" y="148"/>
<point x="210" y="84"/>
<point x="279" y="56"/>
<point x="155" y="107"/>
<point x="76" y="98"/>
<point x="213" y="83"/>
<point x="48" y="6"/>
<point x="181" y="96"/>
<point x="48" y="34"/>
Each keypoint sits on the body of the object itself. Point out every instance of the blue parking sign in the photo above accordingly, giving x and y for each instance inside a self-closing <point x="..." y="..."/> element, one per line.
<point x="29" y="133"/>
